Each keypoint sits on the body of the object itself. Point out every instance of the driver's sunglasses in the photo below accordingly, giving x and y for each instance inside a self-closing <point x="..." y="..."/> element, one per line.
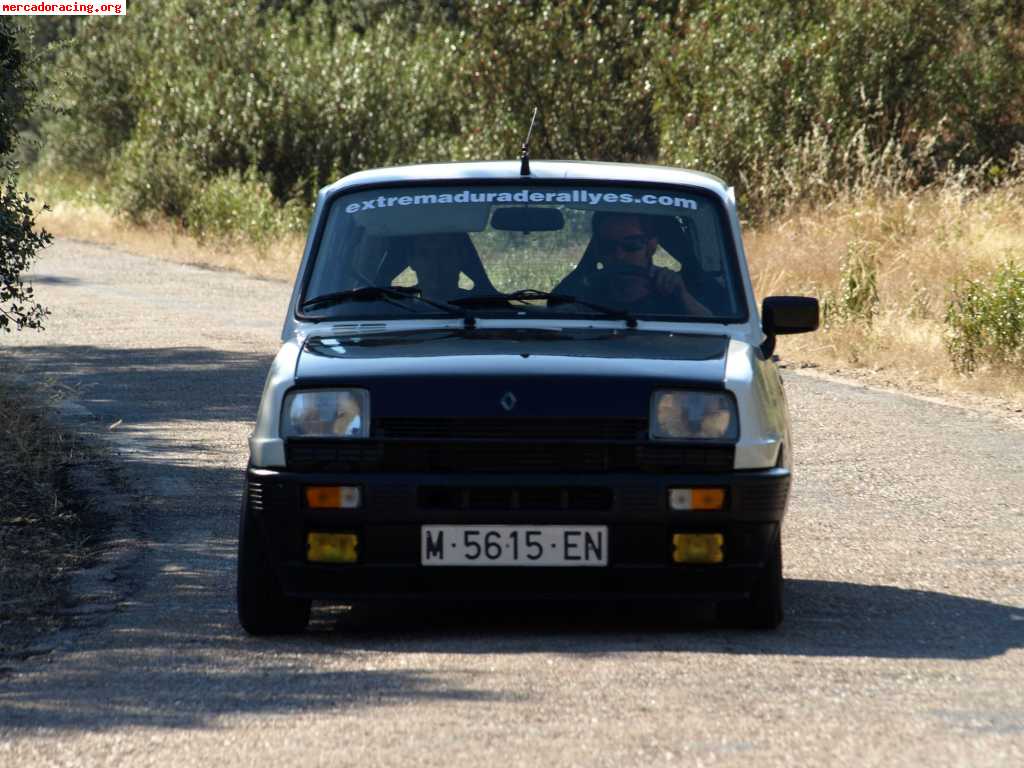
<point x="628" y="244"/>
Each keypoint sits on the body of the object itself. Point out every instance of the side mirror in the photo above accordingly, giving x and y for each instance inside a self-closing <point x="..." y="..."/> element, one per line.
<point x="787" y="314"/>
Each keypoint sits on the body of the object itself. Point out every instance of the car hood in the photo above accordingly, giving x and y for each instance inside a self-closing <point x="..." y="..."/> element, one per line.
<point x="515" y="353"/>
<point x="548" y="373"/>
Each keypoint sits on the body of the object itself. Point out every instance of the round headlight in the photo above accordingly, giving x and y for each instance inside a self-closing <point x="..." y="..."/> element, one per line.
<point x="684" y="415"/>
<point x="327" y="413"/>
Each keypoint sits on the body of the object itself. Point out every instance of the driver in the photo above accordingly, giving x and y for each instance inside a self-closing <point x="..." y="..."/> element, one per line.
<point x="626" y="244"/>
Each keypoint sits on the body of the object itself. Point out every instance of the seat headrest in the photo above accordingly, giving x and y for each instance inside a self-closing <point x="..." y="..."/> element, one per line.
<point x="464" y="255"/>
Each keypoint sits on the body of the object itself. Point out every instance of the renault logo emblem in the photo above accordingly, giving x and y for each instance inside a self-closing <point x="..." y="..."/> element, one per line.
<point x="508" y="401"/>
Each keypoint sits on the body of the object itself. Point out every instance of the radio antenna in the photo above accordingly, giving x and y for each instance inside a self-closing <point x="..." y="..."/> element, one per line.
<point x="524" y="155"/>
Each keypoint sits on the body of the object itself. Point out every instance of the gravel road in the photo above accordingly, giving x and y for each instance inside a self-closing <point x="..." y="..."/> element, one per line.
<point x="904" y="564"/>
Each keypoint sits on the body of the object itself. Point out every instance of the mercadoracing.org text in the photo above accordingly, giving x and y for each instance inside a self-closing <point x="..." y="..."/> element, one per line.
<point x="62" y="9"/>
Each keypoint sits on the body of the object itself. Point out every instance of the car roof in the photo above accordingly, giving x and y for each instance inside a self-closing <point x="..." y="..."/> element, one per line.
<point x="539" y="169"/>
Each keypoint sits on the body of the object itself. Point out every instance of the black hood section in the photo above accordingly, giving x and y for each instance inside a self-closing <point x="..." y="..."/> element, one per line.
<point x="513" y="373"/>
<point x="594" y="343"/>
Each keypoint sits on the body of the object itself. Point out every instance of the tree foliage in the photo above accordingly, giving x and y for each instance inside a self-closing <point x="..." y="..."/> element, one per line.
<point x="789" y="100"/>
<point x="828" y="89"/>
<point x="584" y="65"/>
<point x="19" y="240"/>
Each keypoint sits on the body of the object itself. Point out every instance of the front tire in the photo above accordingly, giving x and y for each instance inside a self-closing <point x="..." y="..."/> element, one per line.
<point x="763" y="609"/>
<point x="263" y="608"/>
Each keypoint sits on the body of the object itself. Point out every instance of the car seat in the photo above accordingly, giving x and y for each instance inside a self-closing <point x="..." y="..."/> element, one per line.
<point x="398" y="249"/>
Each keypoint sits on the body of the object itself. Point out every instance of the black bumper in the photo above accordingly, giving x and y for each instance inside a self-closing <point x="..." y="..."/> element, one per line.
<point x="634" y="507"/>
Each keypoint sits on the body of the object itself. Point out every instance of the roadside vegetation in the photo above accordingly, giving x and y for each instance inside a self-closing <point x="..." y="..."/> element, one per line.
<point x="42" y="533"/>
<point x="877" y="146"/>
<point x="19" y="238"/>
<point x="920" y="289"/>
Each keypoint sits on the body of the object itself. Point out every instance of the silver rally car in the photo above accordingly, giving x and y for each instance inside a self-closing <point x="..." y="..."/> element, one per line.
<point x="503" y="381"/>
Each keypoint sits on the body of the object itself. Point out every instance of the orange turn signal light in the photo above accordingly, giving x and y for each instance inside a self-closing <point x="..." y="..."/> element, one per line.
<point x="333" y="496"/>
<point x="704" y="499"/>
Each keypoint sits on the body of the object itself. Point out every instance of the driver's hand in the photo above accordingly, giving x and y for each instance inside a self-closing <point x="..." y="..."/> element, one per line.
<point x="667" y="282"/>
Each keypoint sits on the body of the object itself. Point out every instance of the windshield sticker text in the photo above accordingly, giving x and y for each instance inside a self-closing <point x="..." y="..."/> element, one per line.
<point x="576" y="196"/>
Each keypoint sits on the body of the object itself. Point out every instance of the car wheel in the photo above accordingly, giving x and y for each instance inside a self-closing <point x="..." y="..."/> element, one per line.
<point x="263" y="608"/>
<point x="763" y="609"/>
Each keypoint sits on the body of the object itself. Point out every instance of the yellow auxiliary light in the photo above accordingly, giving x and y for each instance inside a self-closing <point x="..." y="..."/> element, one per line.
<point x="687" y="499"/>
<point x="697" y="547"/>
<point x="332" y="547"/>
<point x="333" y="496"/>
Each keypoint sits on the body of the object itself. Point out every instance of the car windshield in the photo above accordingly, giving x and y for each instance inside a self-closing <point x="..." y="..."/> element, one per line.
<point x="551" y="250"/>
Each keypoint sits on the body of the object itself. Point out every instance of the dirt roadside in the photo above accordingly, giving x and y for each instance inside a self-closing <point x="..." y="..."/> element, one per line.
<point x="1010" y="411"/>
<point x="67" y="527"/>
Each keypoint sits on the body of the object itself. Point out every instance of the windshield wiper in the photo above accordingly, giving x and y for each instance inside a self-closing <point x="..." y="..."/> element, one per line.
<point x="388" y="294"/>
<point x="529" y="294"/>
<point x="363" y="293"/>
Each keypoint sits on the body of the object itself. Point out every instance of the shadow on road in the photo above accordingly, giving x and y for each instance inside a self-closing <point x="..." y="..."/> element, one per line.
<point x="163" y="384"/>
<point x="182" y="675"/>
<point x="39" y="279"/>
<point x="824" y="618"/>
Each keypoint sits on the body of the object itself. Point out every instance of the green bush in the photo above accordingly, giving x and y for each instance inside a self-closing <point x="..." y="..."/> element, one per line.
<point x="583" y="64"/>
<point x="802" y="97"/>
<point x="304" y="95"/>
<point x="856" y="301"/>
<point x="985" y="320"/>
<point x="302" y="105"/>
<point x="98" y="89"/>
<point x="297" y="96"/>
<point x="859" y="283"/>
<point x="19" y="239"/>
<point x="791" y="101"/>
<point x="153" y="178"/>
<point x="241" y="206"/>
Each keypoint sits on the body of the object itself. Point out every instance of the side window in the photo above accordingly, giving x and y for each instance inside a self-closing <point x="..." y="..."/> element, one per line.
<point x="340" y="238"/>
<point x="716" y="278"/>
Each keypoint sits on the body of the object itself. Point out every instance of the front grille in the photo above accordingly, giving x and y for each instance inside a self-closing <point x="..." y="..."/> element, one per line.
<point x="446" y="497"/>
<point x="512" y="429"/>
<point x="448" y="457"/>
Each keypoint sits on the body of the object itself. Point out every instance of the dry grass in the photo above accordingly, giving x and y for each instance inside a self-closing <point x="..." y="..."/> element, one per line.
<point x="90" y="221"/>
<point x="81" y="208"/>
<point x="42" y="535"/>
<point x="921" y="243"/>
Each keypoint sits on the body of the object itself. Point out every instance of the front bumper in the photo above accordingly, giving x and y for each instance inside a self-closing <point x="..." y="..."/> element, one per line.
<point x="634" y="507"/>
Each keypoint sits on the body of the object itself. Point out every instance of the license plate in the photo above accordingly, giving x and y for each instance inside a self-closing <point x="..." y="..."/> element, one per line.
<point x="514" y="545"/>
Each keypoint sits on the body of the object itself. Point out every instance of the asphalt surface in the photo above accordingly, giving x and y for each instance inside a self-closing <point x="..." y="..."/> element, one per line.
<point x="904" y="559"/>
